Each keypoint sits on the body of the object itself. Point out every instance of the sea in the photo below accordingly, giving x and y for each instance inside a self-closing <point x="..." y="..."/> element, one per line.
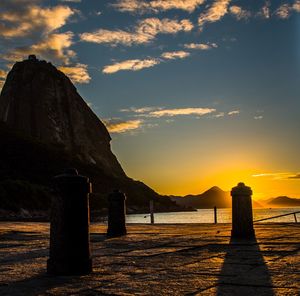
<point x="223" y="216"/>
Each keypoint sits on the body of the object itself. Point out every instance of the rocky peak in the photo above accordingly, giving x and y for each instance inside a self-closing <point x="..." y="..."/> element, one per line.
<point x="41" y="102"/>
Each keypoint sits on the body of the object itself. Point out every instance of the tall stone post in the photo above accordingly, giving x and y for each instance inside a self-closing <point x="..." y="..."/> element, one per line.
<point x="116" y="214"/>
<point x="242" y="217"/>
<point x="69" y="231"/>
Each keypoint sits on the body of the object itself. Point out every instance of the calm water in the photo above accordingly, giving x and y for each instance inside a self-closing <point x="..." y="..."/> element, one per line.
<point x="207" y="216"/>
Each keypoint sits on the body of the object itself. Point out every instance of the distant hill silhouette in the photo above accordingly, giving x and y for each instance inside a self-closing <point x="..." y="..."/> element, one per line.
<point x="45" y="127"/>
<point x="209" y="199"/>
<point x="283" y="201"/>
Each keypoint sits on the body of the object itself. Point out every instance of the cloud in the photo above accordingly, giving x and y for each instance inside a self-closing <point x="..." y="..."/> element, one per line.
<point x="130" y="65"/>
<point x="140" y="6"/>
<point x="140" y="110"/>
<point x="219" y="115"/>
<point x="144" y="32"/>
<point x="115" y="37"/>
<point x="20" y="18"/>
<point x="258" y="117"/>
<point x="296" y="176"/>
<point x="78" y="73"/>
<point x="234" y="112"/>
<point x="3" y="74"/>
<point x="175" y="55"/>
<point x="74" y="1"/>
<point x="118" y="126"/>
<point x="180" y="111"/>
<point x="239" y="13"/>
<point x="28" y="28"/>
<point x="285" y="10"/>
<point x="265" y="10"/>
<point x="2" y="78"/>
<point x="296" y="6"/>
<point x="201" y="46"/>
<point x="54" y="47"/>
<point x="278" y="176"/>
<point x="164" y="112"/>
<point x="147" y="115"/>
<point x="139" y="64"/>
<point x="214" y="13"/>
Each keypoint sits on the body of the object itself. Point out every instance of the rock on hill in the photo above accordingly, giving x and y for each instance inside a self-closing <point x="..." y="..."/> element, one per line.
<point x="46" y="127"/>
<point x="41" y="102"/>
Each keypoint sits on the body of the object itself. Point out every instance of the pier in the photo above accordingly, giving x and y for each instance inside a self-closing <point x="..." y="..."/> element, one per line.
<point x="182" y="259"/>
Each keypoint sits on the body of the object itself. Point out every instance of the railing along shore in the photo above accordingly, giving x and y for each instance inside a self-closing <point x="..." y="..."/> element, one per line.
<point x="278" y="216"/>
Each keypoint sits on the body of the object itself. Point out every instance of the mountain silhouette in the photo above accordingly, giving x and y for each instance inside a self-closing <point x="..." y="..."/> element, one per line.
<point x="45" y="127"/>
<point x="208" y="199"/>
<point x="213" y="197"/>
<point x="283" y="201"/>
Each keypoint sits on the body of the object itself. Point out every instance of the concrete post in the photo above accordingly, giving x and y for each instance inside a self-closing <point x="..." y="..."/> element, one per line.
<point x="215" y="215"/>
<point x="116" y="214"/>
<point x="242" y="217"/>
<point x="151" y="205"/>
<point x="69" y="231"/>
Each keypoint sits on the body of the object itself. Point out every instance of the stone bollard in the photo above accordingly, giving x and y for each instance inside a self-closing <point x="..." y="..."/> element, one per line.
<point x="116" y="214"/>
<point x="69" y="231"/>
<point x="242" y="217"/>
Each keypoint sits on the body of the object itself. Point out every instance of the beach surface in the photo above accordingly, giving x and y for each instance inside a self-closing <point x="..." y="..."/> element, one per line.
<point x="182" y="259"/>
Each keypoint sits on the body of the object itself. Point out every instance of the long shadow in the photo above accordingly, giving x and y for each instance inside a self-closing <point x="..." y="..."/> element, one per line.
<point x="39" y="284"/>
<point x="244" y="271"/>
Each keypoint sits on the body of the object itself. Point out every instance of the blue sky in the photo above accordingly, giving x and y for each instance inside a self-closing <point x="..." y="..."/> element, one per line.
<point x="195" y="93"/>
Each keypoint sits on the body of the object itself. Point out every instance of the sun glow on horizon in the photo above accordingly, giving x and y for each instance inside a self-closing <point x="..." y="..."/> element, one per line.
<point x="263" y="185"/>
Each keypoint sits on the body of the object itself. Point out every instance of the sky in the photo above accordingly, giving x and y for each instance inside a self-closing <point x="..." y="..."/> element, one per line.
<point x="195" y="93"/>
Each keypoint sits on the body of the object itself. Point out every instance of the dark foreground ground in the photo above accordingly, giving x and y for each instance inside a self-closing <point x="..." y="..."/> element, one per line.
<point x="196" y="259"/>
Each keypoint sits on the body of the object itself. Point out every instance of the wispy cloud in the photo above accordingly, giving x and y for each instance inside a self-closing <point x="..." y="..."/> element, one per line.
<point x="130" y="65"/>
<point x="167" y="112"/>
<point x="219" y="115"/>
<point x="239" y="13"/>
<point x="141" y="6"/>
<point x="214" y="13"/>
<point x="285" y="10"/>
<point x="258" y="117"/>
<point x="141" y="110"/>
<point x="265" y="10"/>
<point x="234" y="112"/>
<point x="119" y="126"/>
<point x="2" y="78"/>
<point x="74" y="1"/>
<point x="296" y="176"/>
<point x="200" y="46"/>
<point x="172" y="55"/>
<point x="139" y="64"/>
<point x="181" y="111"/>
<point x="78" y="73"/>
<point x="144" y="32"/>
<point x="278" y="176"/>
<point x="2" y="74"/>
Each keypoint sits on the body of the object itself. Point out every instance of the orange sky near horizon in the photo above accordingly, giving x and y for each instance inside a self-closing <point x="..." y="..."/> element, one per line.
<point x="181" y="171"/>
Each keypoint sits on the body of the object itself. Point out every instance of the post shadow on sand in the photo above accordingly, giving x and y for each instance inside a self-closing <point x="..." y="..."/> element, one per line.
<point x="244" y="271"/>
<point x="38" y="284"/>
